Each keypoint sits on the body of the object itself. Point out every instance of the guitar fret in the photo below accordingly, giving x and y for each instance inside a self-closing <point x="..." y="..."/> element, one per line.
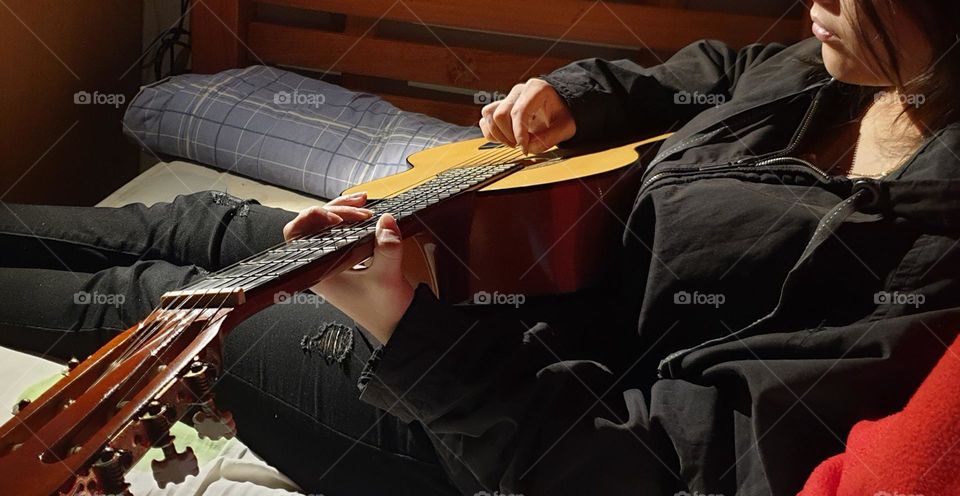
<point x="267" y="266"/>
<point x="234" y="271"/>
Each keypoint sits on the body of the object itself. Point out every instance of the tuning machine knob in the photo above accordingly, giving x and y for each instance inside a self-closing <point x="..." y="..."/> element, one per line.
<point x="212" y="423"/>
<point x="175" y="466"/>
<point x="209" y="421"/>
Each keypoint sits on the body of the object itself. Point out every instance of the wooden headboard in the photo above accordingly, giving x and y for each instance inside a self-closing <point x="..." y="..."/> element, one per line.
<point x="447" y="57"/>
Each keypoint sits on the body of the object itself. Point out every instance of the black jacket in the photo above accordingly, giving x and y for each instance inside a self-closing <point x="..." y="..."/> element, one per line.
<point x="766" y="306"/>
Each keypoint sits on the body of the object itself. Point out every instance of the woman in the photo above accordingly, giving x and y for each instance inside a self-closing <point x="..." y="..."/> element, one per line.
<point x="789" y="269"/>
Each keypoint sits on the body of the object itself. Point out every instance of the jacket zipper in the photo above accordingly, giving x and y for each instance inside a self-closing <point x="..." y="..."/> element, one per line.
<point x="772" y="158"/>
<point x="763" y="160"/>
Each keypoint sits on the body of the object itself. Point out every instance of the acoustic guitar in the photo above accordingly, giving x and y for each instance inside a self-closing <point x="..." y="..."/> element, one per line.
<point x="478" y="218"/>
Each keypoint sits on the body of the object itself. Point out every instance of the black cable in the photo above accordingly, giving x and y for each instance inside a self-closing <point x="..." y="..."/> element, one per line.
<point x="163" y="48"/>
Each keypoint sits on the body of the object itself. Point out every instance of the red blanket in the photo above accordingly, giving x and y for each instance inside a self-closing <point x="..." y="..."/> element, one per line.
<point x="914" y="452"/>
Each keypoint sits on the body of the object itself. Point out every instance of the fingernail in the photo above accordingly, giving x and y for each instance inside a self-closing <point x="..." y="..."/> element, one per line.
<point x="367" y="211"/>
<point x="357" y="194"/>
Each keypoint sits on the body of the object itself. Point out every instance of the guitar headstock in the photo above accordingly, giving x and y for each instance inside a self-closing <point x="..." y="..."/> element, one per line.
<point x="86" y="431"/>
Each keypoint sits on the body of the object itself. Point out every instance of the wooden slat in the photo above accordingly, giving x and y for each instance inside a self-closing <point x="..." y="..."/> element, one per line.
<point x="402" y="60"/>
<point x="463" y="114"/>
<point x="659" y="28"/>
<point x="218" y="34"/>
<point x="457" y="109"/>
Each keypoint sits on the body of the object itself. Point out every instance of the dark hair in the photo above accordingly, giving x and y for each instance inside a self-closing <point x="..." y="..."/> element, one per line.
<point x="939" y="82"/>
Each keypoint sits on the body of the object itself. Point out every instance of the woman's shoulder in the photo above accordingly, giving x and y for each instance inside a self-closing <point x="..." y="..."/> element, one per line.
<point x="937" y="159"/>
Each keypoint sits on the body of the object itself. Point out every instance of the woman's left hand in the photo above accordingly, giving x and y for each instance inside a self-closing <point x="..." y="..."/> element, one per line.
<point x="376" y="296"/>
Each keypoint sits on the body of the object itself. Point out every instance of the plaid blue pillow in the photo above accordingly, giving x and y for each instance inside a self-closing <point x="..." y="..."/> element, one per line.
<point x="282" y="128"/>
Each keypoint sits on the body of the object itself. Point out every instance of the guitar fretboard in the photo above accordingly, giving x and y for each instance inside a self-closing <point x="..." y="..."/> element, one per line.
<point x="266" y="267"/>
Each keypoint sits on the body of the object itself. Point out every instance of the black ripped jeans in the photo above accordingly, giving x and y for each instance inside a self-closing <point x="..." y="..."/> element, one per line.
<point x="72" y="277"/>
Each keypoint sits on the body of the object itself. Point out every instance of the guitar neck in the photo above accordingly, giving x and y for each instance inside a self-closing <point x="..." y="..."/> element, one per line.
<point x="323" y="252"/>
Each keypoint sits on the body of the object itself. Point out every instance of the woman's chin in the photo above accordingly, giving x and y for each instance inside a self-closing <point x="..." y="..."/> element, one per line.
<point x="848" y="68"/>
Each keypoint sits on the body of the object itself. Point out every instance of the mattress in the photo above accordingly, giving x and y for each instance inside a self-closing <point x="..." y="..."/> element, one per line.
<point x="227" y="466"/>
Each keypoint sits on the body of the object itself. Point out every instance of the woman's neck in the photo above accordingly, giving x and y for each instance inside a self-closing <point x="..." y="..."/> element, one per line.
<point x="887" y="136"/>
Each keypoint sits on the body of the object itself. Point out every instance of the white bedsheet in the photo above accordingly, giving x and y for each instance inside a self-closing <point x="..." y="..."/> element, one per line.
<point x="227" y="467"/>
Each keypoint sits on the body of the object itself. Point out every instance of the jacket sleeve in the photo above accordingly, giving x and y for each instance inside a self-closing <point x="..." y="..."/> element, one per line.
<point x="617" y="99"/>
<point x="515" y="415"/>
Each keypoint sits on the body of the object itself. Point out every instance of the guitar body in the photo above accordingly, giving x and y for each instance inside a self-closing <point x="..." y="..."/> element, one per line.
<point x="493" y="221"/>
<point x="545" y="229"/>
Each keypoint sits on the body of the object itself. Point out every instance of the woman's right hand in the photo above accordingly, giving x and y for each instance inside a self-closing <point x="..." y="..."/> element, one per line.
<point x="532" y="116"/>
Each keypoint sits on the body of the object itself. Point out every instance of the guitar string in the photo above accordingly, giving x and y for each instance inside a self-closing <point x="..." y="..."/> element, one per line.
<point x="160" y="326"/>
<point x="250" y="278"/>
<point x="147" y="334"/>
<point x="245" y="277"/>
<point x="348" y="233"/>
<point x="172" y="326"/>
<point x="472" y="161"/>
<point x="176" y="323"/>
<point x="356" y="228"/>
<point x="200" y="311"/>
<point x="476" y="160"/>
<point x="362" y="225"/>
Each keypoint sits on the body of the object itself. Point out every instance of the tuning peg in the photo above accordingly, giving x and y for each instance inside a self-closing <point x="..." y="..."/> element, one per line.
<point x="20" y="405"/>
<point x="156" y="420"/>
<point x="71" y="364"/>
<point x="199" y="378"/>
<point x="109" y="470"/>
<point x="214" y="424"/>
<point x="174" y="467"/>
